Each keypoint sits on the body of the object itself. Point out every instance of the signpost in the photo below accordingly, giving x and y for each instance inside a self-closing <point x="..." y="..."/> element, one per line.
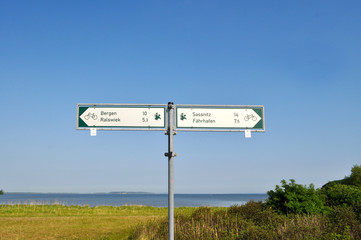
<point x="121" y="117"/>
<point x="152" y="117"/>
<point x="219" y="118"/>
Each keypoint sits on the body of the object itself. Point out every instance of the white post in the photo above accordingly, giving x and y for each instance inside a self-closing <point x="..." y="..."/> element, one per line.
<point x="170" y="155"/>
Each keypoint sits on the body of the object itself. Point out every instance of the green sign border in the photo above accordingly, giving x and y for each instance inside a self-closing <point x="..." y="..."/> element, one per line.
<point x="258" y="110"/>
<point x="82" y="125"/>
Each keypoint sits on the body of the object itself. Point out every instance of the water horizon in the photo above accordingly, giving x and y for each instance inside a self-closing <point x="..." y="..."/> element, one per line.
<point x="131" y="198"/>
<point x="115" y="192"/>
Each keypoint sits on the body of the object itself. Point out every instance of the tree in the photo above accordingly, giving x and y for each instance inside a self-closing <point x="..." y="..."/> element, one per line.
<point x="295" y="199"/>
<point x="354" y="179"/>
<point x="1" y="192"/>
<point x="342" y="195"/>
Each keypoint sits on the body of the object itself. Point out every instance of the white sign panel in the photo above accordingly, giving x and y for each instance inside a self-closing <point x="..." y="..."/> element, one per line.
<point x="219" y="118"/>
<point x="121" y="117"/>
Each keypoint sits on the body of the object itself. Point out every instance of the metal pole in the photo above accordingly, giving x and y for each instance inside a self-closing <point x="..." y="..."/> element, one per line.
<point x="170" y="156"/>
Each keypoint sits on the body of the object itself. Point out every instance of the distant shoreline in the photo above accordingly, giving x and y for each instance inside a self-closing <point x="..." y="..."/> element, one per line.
<point x="131" y="198"/>
<point x="120" y="193"/>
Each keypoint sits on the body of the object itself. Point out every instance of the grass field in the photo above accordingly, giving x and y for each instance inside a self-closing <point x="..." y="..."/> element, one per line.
<point x="253" y="220"/>
<point x="39" y="221"/>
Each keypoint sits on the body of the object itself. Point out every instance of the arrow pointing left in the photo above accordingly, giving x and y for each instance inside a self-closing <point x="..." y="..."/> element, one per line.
<point x="118" y="116"/>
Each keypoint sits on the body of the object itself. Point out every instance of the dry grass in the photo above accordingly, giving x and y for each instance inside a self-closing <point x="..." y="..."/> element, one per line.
<point x="72" y="222"/>
<point x="251" y="221"/>
<point x="68" y="227"/>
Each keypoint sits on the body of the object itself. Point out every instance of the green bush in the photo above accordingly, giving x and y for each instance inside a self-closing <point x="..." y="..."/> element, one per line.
<point x="353" y="180"/>
<point x="291" y="211"/>
<point x="247" y="211"/>
<point x="355" y="177"/>
<point x="253" y="221"/>
<point x="342" y="195"/>
<point x="292" y="198"/>
<point x="344" y="219"/>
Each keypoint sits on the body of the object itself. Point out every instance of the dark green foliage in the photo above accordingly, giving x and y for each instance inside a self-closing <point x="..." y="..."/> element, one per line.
<point x="342" y="195"/>
<point x="254" y="221"/>
<point x="292" y="198"/>
<point x="343" y="219"/>
<point x="292" y="211"/>
<point x="354" y="179"/>
<point x="256" y="212"/>
<point x="251" y="221"/>
<point x="1" y="192"/>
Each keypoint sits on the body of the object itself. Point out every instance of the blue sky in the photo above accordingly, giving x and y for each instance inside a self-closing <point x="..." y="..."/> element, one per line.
<point x="300" y="59"/>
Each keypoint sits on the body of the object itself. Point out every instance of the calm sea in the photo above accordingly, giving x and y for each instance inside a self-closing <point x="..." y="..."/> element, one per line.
<point x="109" y="199"/>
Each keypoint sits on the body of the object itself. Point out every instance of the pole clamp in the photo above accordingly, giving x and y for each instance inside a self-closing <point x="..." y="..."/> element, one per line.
<point x="170" y="154"/>
<point x="170" y="105"/>
<point x="167" y="132"/>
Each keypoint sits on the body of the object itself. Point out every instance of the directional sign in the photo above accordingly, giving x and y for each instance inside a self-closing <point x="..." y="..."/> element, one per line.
<point x="218" y="117"/>
<point x="120" y="116"/>
<point x="187" y="117"/>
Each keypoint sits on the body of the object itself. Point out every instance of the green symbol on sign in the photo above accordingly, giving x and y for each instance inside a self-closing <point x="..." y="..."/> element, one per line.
<point x="157" y="116"/>
<point x="183" y="117"/>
